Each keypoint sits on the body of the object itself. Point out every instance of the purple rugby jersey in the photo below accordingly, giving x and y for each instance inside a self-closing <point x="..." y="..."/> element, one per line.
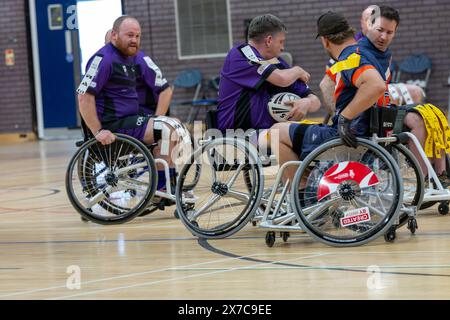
<point x="149" y="83"/>
<point x="111" y="78"/>
<point x="244" y="91"/>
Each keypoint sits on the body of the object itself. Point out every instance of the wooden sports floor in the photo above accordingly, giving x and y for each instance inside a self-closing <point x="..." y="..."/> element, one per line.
<point x="45" y="249"/>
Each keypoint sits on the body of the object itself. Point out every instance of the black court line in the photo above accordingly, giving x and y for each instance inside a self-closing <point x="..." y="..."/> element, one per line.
<point x="207" y="246"/>
<point x="52" y="192"/>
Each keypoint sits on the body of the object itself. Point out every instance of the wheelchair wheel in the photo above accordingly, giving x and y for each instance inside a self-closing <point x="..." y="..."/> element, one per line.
<point x="412" y="175"/>
<point x="193" y="178"/>
<point x="111" y="184"/>
<point x="347" y="197"/>
<point x="194" y="175"/>
<point x="221" y="204"/>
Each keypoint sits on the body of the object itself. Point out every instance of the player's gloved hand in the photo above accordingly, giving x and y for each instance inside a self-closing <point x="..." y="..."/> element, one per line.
<point x="345" y="132"/>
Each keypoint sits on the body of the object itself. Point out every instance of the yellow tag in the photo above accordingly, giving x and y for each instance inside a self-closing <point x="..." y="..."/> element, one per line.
<point x="444" y="125"/>
<point x="437" y="131"/>
<point x="350" y="63"/>
<point x="428" y="148"/>
<point x="307" y="122"/>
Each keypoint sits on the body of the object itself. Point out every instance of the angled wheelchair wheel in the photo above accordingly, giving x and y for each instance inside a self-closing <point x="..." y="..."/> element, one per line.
<point x="183" y="156"/>
<point x="111" y="184"/>
<point x="346" y="197"/>
<point x="412" y="176"/>
<point x="220" y="203"/>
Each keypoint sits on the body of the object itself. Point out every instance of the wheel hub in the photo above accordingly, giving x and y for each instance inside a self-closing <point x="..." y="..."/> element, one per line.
<point x="349" y="189"/>
<point x="111" y="179"/>
<point x="220" y="189"/>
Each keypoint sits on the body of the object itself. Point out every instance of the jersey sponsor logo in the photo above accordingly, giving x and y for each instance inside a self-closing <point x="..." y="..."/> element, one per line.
<point x="140" y="121"/>
<point x="159" y="80"/>
<point x="125" y="70"/>
<point x="262" y="68"/>
<point x="89" y="76"/>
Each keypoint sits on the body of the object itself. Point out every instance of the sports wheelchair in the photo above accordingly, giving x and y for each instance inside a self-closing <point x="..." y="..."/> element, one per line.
<point x="340" y="196"/>
<point x="114" y="183"/>
<point x="434" y="191"/>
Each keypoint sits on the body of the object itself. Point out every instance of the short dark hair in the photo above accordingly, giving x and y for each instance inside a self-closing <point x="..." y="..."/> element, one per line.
<point x="264" y="25"/>
<point x="388" y="13"/>
<point x="118" y="22"/>
<point x="341" y="37"/>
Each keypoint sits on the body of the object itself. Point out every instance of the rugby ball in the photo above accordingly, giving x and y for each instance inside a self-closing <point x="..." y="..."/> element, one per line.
<point x="277" y="109"/>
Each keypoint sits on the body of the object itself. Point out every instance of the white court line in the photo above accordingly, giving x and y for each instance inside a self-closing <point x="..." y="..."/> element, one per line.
<point x="127" y="275"/>
<point x="178" y="278"/>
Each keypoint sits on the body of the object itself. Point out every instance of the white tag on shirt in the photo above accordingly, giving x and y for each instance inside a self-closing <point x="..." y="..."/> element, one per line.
<point x="89" y="76"/>
<point x="159" y="80"/>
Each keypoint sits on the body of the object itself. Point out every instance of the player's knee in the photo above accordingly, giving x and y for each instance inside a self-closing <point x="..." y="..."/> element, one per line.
<point x="414" y="121"/>
<point x="416" y="93"/>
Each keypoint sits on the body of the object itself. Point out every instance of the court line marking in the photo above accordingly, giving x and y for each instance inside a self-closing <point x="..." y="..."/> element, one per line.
<point x="207" y="246"/>
<point x="174" y="279"/>
<point x="327" y="267"/>
<point x="123" y="276"/>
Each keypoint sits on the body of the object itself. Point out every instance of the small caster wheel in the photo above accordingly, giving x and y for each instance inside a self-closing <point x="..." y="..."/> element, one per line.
<point x="270" y="239"/>
<point x="194" y="223"/>
<point x="412" y="225"/>
<point x="84" y="219"/>
<point x="254" y="223"/>
<point x="390" y="235"/>
<point x="285" y="236"/>
<point x="337" y="219"/>
<point x="336" y="222"/>
<point x="146" y="212"/>
<point x="161" y="205"/>
<point x="176" y="214"/>
<point x="443" y="208"/>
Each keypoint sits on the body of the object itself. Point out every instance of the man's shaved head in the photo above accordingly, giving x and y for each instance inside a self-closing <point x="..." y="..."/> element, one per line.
<point x="108" y="36"/>
<point x="126" y="35"/>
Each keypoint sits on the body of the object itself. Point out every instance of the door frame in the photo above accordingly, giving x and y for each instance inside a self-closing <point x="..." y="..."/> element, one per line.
<point x="36" y="69"/>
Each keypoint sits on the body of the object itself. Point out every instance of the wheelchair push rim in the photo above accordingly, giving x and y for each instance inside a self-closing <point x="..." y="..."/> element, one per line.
<point x="347" y="197"/>
<point x="223" y="202"/>
<point x="111" y="184"/>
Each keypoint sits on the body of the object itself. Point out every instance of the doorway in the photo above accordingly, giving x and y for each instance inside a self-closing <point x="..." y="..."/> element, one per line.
<point x="65" y="34"/>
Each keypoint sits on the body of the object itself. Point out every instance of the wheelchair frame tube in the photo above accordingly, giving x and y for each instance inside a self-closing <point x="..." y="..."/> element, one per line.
<point x="431" y="173"/>
<point x="274" y="187"/>
<point x="167" y="174"/>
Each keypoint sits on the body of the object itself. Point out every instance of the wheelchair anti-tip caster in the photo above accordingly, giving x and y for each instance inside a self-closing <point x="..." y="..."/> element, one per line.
<point x="285" y="236"/>
<point x="270" y="239"/>
<point x="84" y="219"/>
<point x="412" y="225"/>
<point x="443" y="208"/>
<point x="390" y="235"/>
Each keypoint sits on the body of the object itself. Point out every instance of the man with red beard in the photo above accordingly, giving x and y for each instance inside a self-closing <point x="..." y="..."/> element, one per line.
<point x="108" y="98"/>
<point x="107" y="94"/>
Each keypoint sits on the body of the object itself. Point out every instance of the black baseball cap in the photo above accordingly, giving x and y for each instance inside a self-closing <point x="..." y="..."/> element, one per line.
<point x="331" y="23"/>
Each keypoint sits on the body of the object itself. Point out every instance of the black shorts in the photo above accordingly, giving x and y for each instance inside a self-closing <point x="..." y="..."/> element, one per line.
<point x="133" y="126"/>
<point x="297" y="133"/>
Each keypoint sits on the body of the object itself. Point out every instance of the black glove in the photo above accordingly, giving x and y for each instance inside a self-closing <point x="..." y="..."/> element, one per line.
<point x="345" y="132"/>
